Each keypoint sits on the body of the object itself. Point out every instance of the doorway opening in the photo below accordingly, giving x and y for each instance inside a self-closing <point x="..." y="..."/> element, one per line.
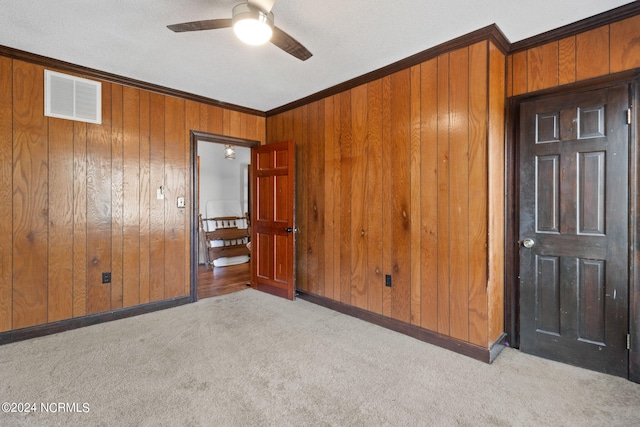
<point x="221" y="215"/>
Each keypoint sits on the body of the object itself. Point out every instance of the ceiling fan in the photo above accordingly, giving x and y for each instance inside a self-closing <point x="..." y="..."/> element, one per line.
<point x="252" y="21"/>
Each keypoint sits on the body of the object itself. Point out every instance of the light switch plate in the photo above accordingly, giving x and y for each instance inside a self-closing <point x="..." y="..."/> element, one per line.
<point x="181" y="202"/>
<point x="160" y="194"/>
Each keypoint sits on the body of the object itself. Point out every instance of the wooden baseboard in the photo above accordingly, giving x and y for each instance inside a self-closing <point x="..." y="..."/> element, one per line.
<point x="486" y="355"/>
<point x="92" y="319"/>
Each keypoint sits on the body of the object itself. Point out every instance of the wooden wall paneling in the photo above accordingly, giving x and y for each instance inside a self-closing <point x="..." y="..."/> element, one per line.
<point x="320" y="191"/>
<point x="204" y="118"/>
<point x="156" y="206"/>
<point x="312" y="167"/>
<point x="176" y="181"/>
<point x="243" y="126"/>
<point x="235" y="123"/>
<point x="99" y="207"/>
<point x="251" y="128"/>
<point x="262" y="129"/>
<point x="510" y="75"/>
<point x="519" y="73"/>
<point x="387" y="192"/>
<point x="416" y="183"/>
<point x="401" y="195"/>
<point x="625" y="44"/>
<point x="303" y="132"/>
<point x="296" y="122"/>
<point x="276" y="132"/>
<point x="6" y="193"/>
<point x="327" y="146"/>
<point x="346" y="162"/>
<point x="478" y="192"/>
<point x="592" y="53"/>
<point x="459" y="193"/>
<point x="289" y="124"/>
<point x="337" y="197"/>
<point x="272" y="126"/>
<point x="192" y="123"/>
<point x="215" y="120"/>
<point x="145" y="196"/>
<point x="542" y="67"/>
<point x="567" y="60"/>
<point x="60" y="241"/>
<point x="443" y="194"/>
<point x="80" y="238"/>
<point x="359" y="227"/>
<point x="117" y="196"/>
<point x="226" y="122"/>
<point x="496" y="155"/>
<point x="428" y="195"/>
<point x="374" y="198"/>
<point x="131" y="189"/>
<point x="30" y="198"/>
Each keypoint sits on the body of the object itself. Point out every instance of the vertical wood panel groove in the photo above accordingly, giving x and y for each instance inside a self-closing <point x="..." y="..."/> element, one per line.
<point x="374" y="197"/>
<point x="156" y="206"/>
<point x="359" y="188"/>
<point x="30" y="197"/>
<point x="175" y="180"/>
<point x="80" y="237"/>
<point x="60" y="224"/>
<point x="117" y="196"/>
<point x="443" y="194"/>
<point x="478" y="192"/>
<point x="346" y="162"/>
<point x="131" y="198"/>
<point x="429" y="195"/>
<point x="401" y="195"/>
<point x="145" y="195"/>
<point x="459" y="193"/>
<point x="415" y="183"/>
<point x="99" y="207"/>
<point x="6" y="194"/>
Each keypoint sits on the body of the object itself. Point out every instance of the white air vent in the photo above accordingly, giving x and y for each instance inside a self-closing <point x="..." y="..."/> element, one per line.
<point x="73" y="98"/>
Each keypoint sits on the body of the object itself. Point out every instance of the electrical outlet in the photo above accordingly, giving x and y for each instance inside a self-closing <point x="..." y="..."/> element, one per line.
<point x="106" y="277"/>
<point x="387" y="280"/>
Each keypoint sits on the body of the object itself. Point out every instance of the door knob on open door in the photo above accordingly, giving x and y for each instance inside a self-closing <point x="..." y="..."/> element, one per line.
<point x="288" y="229"/>
<point x="528" y="243"/>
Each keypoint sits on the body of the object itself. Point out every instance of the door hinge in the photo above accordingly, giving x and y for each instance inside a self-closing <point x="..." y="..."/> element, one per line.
<point x="628" y="341"/>
<point x="629" y="116"/>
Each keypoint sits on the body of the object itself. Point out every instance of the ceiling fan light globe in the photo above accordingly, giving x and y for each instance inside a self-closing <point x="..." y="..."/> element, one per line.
<point x="252" y="25"/>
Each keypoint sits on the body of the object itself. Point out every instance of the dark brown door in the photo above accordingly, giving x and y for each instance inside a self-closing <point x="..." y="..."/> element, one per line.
<point x="574" y="228"/>
<point x="272" y="224"/>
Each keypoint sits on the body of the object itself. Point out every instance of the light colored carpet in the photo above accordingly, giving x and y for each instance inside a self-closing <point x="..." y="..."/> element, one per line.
<point x="252" y="359"/>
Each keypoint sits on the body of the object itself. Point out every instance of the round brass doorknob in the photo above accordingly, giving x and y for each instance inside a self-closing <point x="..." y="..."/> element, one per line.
<point x="528" y="243"/>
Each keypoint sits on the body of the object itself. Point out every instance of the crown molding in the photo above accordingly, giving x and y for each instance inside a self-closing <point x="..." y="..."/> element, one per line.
<point x="595" y="21"/>
<point x="114" y="78"/>
<point x="490" y="32"/>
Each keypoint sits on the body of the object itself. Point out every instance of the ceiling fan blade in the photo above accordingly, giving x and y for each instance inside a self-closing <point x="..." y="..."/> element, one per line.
<point x="290" y="45"/>
<point x="209" y="24"/>
<point x="263" y="5"/>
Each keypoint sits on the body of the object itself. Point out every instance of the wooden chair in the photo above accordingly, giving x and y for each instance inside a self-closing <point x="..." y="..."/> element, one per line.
<point x="223" y="238"/>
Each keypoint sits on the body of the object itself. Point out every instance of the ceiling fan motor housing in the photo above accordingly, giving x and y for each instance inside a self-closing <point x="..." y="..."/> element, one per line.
<point x="252" y="25"/>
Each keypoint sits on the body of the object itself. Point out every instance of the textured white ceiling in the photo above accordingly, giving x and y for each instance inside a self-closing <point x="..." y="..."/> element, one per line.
<point x="348" y="38"/>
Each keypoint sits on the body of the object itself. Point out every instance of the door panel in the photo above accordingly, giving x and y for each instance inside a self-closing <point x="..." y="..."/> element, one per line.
<point x="574" y="209"/>
<point x="272" y="228"/>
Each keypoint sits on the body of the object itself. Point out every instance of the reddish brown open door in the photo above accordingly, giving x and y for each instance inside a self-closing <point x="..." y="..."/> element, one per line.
<point x="272" y="236"/>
